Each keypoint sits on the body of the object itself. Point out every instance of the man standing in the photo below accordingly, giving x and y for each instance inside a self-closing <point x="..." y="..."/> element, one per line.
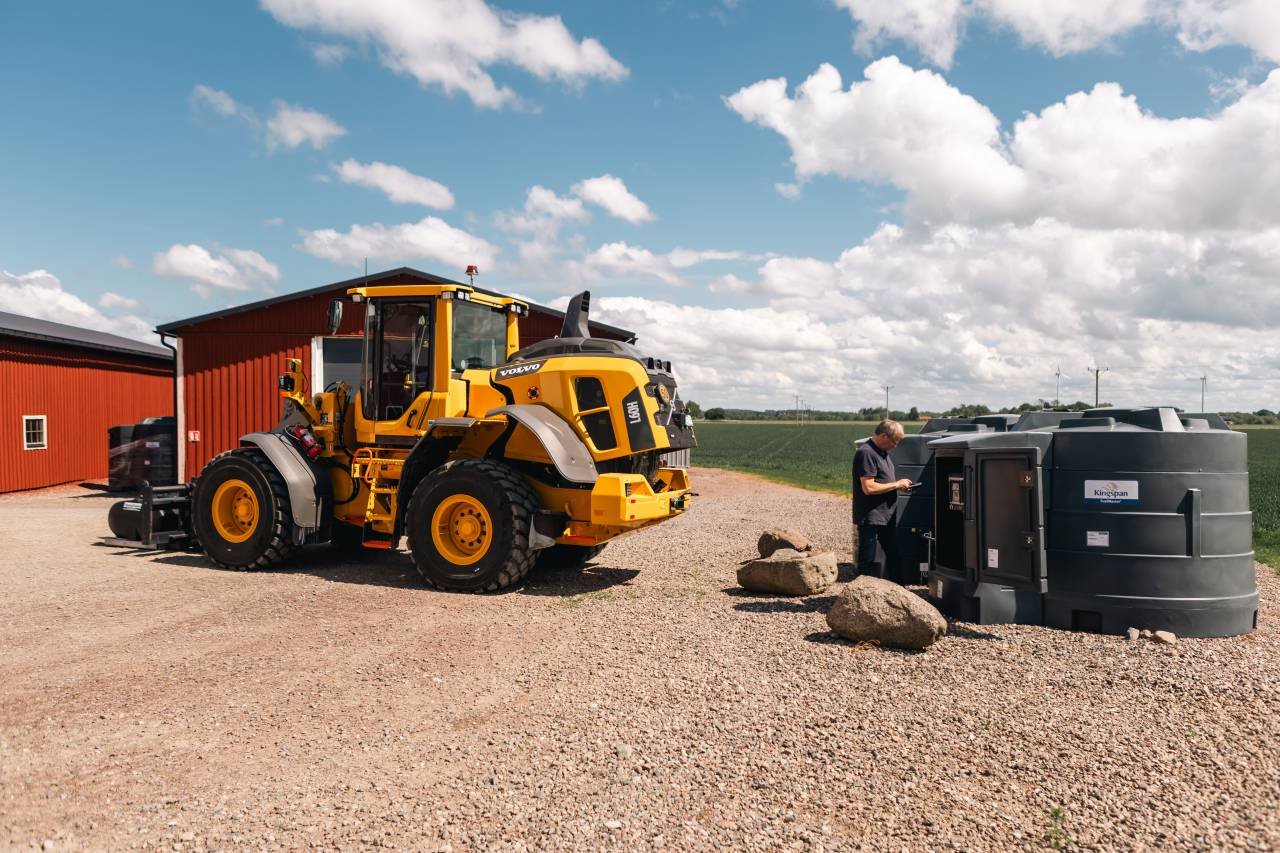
<point x="875" y="493"/>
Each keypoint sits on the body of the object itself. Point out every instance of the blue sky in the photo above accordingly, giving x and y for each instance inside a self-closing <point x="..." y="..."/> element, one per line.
<point x="824" y="256"/>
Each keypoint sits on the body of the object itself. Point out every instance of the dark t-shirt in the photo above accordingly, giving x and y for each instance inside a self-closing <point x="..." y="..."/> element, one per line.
<point x="871" y="461"/>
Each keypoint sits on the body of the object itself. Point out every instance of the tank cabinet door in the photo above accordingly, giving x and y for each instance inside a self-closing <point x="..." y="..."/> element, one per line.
<point x="1010" y="519"/>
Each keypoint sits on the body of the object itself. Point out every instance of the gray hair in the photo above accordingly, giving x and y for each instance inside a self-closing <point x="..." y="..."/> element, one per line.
<point x="889" y="428"/>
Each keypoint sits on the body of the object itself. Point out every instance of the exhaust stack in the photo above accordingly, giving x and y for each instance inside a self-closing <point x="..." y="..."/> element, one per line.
<point x="575" y="317"/>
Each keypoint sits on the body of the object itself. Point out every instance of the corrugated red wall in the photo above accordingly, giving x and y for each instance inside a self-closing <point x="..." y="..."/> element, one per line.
<point x="82" y="392"/>
<point x="229" y="370"/>
<point x="230" y="366"/>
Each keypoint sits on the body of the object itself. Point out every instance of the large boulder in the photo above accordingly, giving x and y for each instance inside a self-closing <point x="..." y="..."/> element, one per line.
<point x="772" y="540"/>
<point x="879" y="611"/>
<point x="788" y="572"/>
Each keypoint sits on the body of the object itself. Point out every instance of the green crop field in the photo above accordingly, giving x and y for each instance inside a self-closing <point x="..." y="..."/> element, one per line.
<point x="819" y="455"/>
<point x="1264" y="493"/>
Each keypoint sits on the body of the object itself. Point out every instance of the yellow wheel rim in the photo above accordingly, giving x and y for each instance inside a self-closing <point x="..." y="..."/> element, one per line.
<point x="235" y="510"/>
<point x="461" y="529"/>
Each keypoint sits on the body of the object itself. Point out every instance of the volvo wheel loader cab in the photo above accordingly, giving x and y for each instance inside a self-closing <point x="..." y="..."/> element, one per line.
<point x="488" y="457"/>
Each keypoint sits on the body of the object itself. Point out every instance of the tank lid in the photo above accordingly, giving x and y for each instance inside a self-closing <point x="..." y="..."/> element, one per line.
<point x="1088" y="423"/>
<point x="1158" y="418"/>
<point x="1042" y="420"/>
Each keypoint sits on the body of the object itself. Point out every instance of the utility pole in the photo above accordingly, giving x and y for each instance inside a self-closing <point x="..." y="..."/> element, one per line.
<point x="797" y="410"/>
<point x="886" y="400"/>
<point x="1097" y="375"/>
<point x="1204" y="380"/>
<point x="1057" y="388"/>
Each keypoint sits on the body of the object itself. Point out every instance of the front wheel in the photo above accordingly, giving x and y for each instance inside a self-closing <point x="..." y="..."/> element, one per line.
<point x="240" y="511"/>
<point x="468" y="524"/>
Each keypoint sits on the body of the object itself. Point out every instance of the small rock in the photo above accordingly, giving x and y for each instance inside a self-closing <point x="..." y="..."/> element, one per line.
<point x="772" y="540"/>
<point x="1145" y="634"/>
<point x="1168" y="638"/>
<point x="1133" y="634"/>
<point x="876" y="610"/>
<point x="625" y="751"/>
<point x="788" y="572"/>
<point x="613" y="824"/>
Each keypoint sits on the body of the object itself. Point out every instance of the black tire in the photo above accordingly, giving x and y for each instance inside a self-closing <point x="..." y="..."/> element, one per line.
<point x="568" y="556"/>
<point x="271" y="541"/>
<point x="510" y="503"/>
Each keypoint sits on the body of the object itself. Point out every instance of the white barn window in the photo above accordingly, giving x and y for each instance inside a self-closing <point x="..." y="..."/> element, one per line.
<point x="33" y="432"/>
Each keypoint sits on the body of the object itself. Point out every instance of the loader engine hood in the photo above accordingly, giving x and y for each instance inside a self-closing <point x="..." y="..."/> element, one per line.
<point x="656" y="395"/>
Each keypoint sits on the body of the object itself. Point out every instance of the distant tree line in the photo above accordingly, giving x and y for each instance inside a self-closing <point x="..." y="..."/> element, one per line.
<point x="964" y="410"/>
<point x="1260" y="417"/>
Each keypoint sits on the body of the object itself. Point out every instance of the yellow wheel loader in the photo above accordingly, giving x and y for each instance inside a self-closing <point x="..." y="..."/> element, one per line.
<point x="488" y="457"/>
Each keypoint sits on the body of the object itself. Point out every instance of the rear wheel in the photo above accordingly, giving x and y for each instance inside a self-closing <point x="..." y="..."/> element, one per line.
<point x="568" y="556"/>
<point x="468" y="524"/>
<point x="240" y="511"/>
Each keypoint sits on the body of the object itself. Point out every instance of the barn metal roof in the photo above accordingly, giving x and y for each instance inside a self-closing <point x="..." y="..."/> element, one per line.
<point x="19" y="326"/>
<point x="373" y="278"/>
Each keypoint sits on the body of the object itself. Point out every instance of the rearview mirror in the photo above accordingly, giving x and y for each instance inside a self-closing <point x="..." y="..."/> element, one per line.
<point x="334" y="315"/>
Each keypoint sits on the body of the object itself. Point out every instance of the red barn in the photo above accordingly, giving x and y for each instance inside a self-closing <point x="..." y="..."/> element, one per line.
<point x="228" y="361"/>
<point x="63" y="388"/>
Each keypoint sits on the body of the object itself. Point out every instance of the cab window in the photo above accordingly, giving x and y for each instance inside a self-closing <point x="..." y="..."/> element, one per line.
<point x="479" y="336"/>
<point x="398" y="351"/>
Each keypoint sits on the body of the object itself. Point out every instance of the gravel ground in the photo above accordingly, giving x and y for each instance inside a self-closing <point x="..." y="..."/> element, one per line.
<point x="154" y="701"/>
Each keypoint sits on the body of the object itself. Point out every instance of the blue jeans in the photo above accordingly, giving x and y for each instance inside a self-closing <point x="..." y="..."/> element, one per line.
<point x="886" y="536"/>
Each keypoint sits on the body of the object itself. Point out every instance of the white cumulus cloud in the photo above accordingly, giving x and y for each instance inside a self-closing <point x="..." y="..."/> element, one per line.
<point x="292" y="126"/>
<point x="40" y="294"/>
<point x="217" y="100"/>
<point x="620" y="259"/>
<point x="399" y="184"/>
<point x="933" y="26"/>
<point x="936" y="27"/>
<point x="451" y="44"/>
<point x="981" y="314"/>
<point x="218" y="268"/>
<point x="430" y="238"/>
<point x="899" y="126"/>
<point x="330" y="55"/>
<point x="113" y="301"/>
<point x="1092" y="231"/>
<point x="612" y="194"/>
<point x="1206" y="24"/>
<point x="1094" y="159"/>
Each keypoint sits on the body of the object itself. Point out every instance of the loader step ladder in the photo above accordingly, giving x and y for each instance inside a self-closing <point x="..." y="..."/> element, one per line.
<point x="382" y="475"/>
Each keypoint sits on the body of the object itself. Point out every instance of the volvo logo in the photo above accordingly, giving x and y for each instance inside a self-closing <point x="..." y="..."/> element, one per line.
<point x="519" y="370"/>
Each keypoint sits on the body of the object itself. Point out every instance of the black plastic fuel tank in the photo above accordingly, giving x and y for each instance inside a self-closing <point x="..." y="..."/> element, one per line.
<point x="1149" y="526"/>
<point x="1113" y="519"/>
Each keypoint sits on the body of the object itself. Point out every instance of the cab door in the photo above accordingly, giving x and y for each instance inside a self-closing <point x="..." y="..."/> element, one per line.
<point x="398" y="366"/>
<point x="1010" y="518"/>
